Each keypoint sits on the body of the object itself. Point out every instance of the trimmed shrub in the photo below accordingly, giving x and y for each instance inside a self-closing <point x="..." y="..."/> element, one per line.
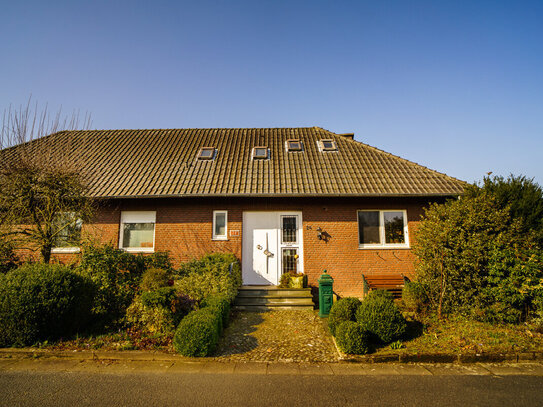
<point x="198" y="333"/>
<point x="8" y="258"/>
<point x="221" y="304"/>
<point x="414" y="296"/>
<point x="150" y="320"/>
<point x="216" y="273"/>
<point x="343" y="310"/>
<point x="154" y="278"/>
<point x="42" y="302"/>
<point x="117" y="276"/>
<point x="381" y="317"/>
<point x="352" y="338"/>
<point x="161" y="297"/>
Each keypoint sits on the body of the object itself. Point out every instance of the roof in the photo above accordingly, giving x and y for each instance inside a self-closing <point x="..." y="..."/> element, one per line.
<point x="163" y="163"/>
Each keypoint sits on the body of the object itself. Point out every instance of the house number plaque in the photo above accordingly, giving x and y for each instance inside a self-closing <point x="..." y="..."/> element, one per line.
<point x="234" y="233"/>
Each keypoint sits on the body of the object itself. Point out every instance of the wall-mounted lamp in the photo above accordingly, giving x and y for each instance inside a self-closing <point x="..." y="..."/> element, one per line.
<point x="319" y="233"/>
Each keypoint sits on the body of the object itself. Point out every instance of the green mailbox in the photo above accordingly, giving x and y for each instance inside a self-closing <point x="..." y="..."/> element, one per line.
<point x="326" y="294"/>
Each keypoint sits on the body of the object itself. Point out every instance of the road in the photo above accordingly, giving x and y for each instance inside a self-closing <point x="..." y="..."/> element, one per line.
<point x="183" y="388"/>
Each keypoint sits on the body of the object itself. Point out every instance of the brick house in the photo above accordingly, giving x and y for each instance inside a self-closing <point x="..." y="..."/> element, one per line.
<point x="280" y="199"/>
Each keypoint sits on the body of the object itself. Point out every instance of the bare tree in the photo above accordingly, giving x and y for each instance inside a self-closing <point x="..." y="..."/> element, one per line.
<point x="43" y="194"/>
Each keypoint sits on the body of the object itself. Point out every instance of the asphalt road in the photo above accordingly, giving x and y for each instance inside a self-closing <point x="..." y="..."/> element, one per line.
<point x="25" y="388"/>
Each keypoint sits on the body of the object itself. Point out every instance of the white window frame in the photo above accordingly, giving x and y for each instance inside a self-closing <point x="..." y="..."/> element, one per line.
<point x="258" y="157"/>
<point x="137" y="217"/>
<point x="294" y="150"/>
<point x="68" y="249"/>
<point x="320" y="145"/>
<point x="382" y="244"/>
<point x="225" y="236"/>
<point x="211" y="158"/>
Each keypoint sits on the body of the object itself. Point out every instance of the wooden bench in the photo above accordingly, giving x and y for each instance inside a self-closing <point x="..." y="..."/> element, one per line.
<point x="392" y="282"/>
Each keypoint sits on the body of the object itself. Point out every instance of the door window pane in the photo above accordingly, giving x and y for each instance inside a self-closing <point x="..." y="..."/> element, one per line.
<point x="289" y="229"/>
<point x="368" y="227"/>
<point x="138" y="235"/>
<point x="290" y="263"/>
<point x="394" y="231"/>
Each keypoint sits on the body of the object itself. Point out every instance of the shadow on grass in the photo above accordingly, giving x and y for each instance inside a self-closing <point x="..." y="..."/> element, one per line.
<point x="236" y="338"/>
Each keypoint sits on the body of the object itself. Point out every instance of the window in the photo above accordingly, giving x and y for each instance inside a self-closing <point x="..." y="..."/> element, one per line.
<point x="294" y="145"/>
<point x="220" y="219"/>
<point x="327" y="145"/>
<point x="67" y="227"/>
<point x="138" y="231"/>
<point x="206" y="153"/>
<point x="260" y="153"/>
<point x="290" y="261"/>
<point x="289" y="229"/>
<point x="382" y="228"/>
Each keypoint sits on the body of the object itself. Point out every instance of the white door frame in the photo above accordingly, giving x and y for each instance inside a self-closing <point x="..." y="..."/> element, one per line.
<point x="249" y="247"/>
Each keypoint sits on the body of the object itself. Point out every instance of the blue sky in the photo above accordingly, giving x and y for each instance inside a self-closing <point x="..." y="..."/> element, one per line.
<point x="456" y="86"/>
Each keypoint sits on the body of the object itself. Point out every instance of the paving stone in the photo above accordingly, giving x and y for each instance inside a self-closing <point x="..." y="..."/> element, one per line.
<point x="283" y="368"/>
<point x="251" y="368"/>
<point x="448" y="369"/>
<point x="277" y="336"/>
<point x="315" y="369"/>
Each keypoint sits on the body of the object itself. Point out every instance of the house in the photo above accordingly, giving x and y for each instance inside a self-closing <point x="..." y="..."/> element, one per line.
<point x="281" y="199"/>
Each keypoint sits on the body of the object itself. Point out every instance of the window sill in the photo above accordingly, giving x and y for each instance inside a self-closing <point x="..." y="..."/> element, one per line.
<point x="385" y="247"/>
<point x="65" y="250"/>
<point x="220" y="238"/>
<point x="138" y="249"/>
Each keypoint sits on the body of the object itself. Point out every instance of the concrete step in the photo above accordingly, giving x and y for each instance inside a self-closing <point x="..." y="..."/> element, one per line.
<point x="273" y="300"/>
<point x="269" y="307"/>
<point x="263" y="298"/>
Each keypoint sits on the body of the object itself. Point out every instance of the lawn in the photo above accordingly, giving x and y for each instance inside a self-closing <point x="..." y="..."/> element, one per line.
<point x="458" y="335"/>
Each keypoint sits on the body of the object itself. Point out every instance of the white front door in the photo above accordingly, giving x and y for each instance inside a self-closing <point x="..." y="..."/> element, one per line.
<point x="271" y="246"/>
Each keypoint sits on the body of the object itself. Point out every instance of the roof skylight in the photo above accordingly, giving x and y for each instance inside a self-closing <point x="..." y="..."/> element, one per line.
<point x="260" y="153"/>
<point x="327" y="145"/>
<point x="206" y="153"/>
<point x="294" y="145"/>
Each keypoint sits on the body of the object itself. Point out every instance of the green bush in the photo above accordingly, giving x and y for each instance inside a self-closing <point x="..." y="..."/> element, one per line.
<point x="414" y="296"/>
<point x="381" y="317"/>
<point x="157" y="321"/>
<point x="117" y="276"/>
<point x="161" y="297"/>
<point x="352" y="338"/>
<point x="8" y="258"/>
<point x="342" y="310"/>
<point x="42" y="302"/>
<point x="155" y="278"/>
<point x="159" y="260"/>
<point x="222" y="304"/>
<point x="216" y="273"/>
<point x="198" y="333"/>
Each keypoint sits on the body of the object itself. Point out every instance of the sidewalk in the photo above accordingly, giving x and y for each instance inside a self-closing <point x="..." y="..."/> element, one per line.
<point x="134" y="362"/>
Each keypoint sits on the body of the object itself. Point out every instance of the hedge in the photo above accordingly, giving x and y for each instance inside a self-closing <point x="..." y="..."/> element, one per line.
<point x="342" y="310"/>
<point x="381" y="317"/>
<point x="352" y="338"/>
<point x="198" y="333"/>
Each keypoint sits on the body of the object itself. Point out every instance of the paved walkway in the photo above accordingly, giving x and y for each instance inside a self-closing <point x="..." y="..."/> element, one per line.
<point x="283" y="336"/>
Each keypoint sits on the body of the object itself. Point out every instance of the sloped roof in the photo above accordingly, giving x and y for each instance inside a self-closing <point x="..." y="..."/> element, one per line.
<point x="160" y="163"/>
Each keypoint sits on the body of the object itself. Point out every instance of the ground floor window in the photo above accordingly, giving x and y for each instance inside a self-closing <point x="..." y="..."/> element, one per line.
<point x="382" y="228"/>
<point x="138" y="231"/>
<point x="220" y="219"/>
<point x="67" y="230"/>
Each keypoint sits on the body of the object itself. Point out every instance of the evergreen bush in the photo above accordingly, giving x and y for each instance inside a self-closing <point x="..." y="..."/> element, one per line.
<point x="42" y="302"/>
<point x="154" y="278"/>
<point x="381" y="317"/>
<point x="342" y="310"/>
<point x="352" y="338"/>
<point x="198" y="333"/>
<point x="414" y="296"/>
<point x="222" y="304"/>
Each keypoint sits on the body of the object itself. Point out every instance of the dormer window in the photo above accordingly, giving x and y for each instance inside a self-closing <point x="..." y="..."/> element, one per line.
<point x="327" y="145"/>
<point x="294" y="145"/>
<point x="260" y="153"/>
<point x="206" y="153"/>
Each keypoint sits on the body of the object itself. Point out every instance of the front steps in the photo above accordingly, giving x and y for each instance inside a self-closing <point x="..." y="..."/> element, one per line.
<point x="260" y="298"/>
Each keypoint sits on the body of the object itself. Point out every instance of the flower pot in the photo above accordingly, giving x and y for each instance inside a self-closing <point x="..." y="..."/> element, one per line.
<point x="297" y="282"/>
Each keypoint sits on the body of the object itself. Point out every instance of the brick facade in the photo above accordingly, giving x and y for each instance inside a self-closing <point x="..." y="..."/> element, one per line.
<point x="184" y="228"/>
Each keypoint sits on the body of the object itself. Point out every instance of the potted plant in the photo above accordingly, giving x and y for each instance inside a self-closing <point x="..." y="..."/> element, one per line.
<point x="292" y="280"/>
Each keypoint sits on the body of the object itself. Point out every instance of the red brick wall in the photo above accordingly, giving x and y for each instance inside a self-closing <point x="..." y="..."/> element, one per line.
<point x="184" y="228"/>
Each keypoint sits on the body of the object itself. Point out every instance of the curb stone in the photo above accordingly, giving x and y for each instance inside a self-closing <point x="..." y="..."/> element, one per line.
<point x="440" y="358"/>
